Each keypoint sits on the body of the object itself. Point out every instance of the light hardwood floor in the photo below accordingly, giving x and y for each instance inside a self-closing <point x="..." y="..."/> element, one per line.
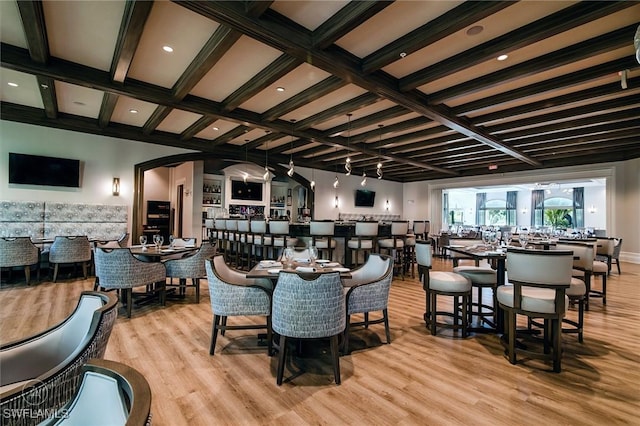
<point x="418" y="379"/>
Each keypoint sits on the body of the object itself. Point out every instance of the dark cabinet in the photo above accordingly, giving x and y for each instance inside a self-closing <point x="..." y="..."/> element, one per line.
<point x="158" y="220"/>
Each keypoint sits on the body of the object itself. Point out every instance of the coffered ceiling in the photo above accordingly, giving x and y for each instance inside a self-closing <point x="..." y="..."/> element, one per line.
<point x="413" y="85"/>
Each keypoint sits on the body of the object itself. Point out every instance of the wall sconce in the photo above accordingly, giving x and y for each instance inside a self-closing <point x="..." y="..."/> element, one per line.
<point x="188" y="192"/>
<point x="335" y="202"/>
<point x="592" y="209"/>
<point x="115" y="186"/>
<point x="387" y="205"/>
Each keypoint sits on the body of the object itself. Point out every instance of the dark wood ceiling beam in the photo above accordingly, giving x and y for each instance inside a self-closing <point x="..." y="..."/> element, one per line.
<point x="197" y="127"/>
<point x="371" y="119"/>
<point x="15" y="58"/>
<point x="594" y="148"/>
<point x="297" y="43"/>
<point x="344" y="108"/>
<point x="570" y="54"/>
<point x="548" y="86"/>
<point x="270" y="74"/>
<point x="559" y="139"/>
<point x="230" y="135"/>
<point x="345" y="20"/>
<point x="443" y="26"/>
<point x="575" y="147"/>
<point x="109" y="101"/>
<point x="561" y="21"/>
<point x="159" y="114"/>
<point x="35" y="30"/>
<point x="611" y="90"/>
<point x="263" y="140"/>
<point x="314" y="92"/>
<point x="133" y="20"/>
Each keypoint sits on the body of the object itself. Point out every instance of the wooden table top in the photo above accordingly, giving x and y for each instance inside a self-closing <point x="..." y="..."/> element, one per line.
<point x="265" y="269"/>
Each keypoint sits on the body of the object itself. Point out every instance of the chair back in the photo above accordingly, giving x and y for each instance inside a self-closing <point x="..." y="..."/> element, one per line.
<point x="423" y="253"/>
<point x="616" y="248"/>
<point x="546" y="267"/>
<point x="118" y="268"/>
<point x="279" y="227"/>
<point x="606" y="246"/>
<point x="232" y="293"/>
<point x="367" y="229"/>
<point x="309" y="307"/>
<point x="399" y="228"/>
<point x="231" y="224"/>
<point x="123" y="241"/>
<point x="220" y="224"/>
<point x="191" y="266"/>
<point x="419" y="228"/>
<point x="370" y="285"/>
<point x="258" y="226"/>
<point x="582" y="254"/>
<point x="18" y="251"/>
<point x="70" y="249"/>
<point x="185" y="242"/>
<point x="322" y="227"/>
<point x="244" y="225"/>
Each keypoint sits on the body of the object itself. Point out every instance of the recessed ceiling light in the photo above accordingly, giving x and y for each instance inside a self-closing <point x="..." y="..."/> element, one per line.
<point x="133" y="111"/>
<point x="280" y="89"/>
<point x="79" y="103"/>
<point x="167" y="49"/>
<point x="475" y="30"/>
<point x="12" y="84"/>
<point x="215" y="128"/>
<point x="403" y="54"/>
<point x="502" y="57"/>
<point x="44" y="86"/>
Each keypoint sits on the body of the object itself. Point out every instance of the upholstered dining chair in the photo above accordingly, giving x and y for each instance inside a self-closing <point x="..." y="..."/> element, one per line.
<point x="232" y="294"/>
<point x="19" y="252"/>
<point x="70" y="249"/>
<point x="190" y="267"/>
<point x="118" y="269"/>
<point x="539" y="280"/>
<point x="309" y="307"/>
<point x="368" y="291"/>
<point x="615" y="258"/>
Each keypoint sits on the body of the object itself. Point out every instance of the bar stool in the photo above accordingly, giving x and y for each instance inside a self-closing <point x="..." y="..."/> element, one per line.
<point x="481" y="278"/>
<point x="259" y="238"/>
<point x="440" y="283"/>
<point x="322" y="232"/>
<point x="244" y="243"/>
<point x="279" y="231"/>
<point x="364" y="241"/>
<point x="395" y="246"/>
<point x="232" y="238"/>
<point x="221" y="233"/>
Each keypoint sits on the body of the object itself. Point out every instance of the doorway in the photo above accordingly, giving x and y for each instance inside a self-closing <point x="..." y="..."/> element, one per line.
<point x="179" y="209"/>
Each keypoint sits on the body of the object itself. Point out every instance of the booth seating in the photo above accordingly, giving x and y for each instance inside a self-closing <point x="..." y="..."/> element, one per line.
<point x="40" y="373"/>
<point x="442" y="283"/>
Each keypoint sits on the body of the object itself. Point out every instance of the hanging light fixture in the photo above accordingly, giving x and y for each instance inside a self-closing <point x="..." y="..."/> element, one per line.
<point x="363" y="182"/>
<point x="291" y="170"/>
<point x="379" y="166"/>
<point x="347" y="164"/>
<point x="266" y="174"/>
<point x="246" y="160"/>
<point x="336" y="182"/>
<point x="313" y="181"/>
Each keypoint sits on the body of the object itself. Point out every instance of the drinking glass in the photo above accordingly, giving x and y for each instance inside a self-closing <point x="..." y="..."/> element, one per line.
<point x="171" y="239"/>
<point x="486" y="237"/>
<point x="313" y="254"/>
<point x="155" y="240"/>
<point x="160" y="241"/>
<point x="288" y="255"/>
<point x="506" y="237"/>
<point x="493" y="239"/>
<point x="143" y="241"/>
<point x="524" y="238"/>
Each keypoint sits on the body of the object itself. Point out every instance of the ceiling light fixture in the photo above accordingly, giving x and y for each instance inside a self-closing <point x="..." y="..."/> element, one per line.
<point x="266" y="174"/>
<point x="347" y="164"/>
<point x="12" y="84"/>
<point x="246" y="159"/>
<point x="167" y="48"/>
<point x="336" y="182"/>
<point x="291" y="169"/>
<point x="133" y="111"/>
<point x="475" y="30"/>
<point x="363" y="182"/>
<point x="502" y="57"/>
<point x="379" y="165"/>
<point x="280" y="89"/>
<point x="215" y="128"/>
<point x="313" y="181"/>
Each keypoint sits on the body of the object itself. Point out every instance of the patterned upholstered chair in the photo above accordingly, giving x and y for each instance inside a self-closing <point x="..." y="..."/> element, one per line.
<point x="191" y="266"/>
<point x="19" y="252"/>
<point x="109" y="393"/>
<point x="233" y="294"/>
<point x="41" y="373"/>
<point x="117" y="268"/>
<point x="539" y="280"/>
<point x="310" y="307"/>
<point x="615" y="258"/>
<point x="65" y="250"/>
<point x="368" y="291"/>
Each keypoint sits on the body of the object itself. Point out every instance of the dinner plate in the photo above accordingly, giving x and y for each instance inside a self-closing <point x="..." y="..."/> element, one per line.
<point x="274" y="270"/>
<point x="341" y="269"/>
<point x="322" y="261"/>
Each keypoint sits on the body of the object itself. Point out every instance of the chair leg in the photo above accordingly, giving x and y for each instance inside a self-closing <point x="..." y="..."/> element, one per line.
<point x="511" y="326"/>
<point x="557" y="344"/>
<point x="580" y="319"/>
<point x="386" y="325"/>
<point x="433" y="310"/>
<point x="27" y="274"/>
<point x="346" y="336"/>
<point x="281" y="358"/>
<point x="214" y="334"/>
<point x="224" y="325"/>
<point x="618" y="265"/>
<point x="129" y="301"/>
<point x="269" y="337"/>
<point x="55" y="272"/>
<point x="335" y="356"/>
<point x="604" y="289"/>
<point x="84" y="270"/>
<point x="196" y="283"/>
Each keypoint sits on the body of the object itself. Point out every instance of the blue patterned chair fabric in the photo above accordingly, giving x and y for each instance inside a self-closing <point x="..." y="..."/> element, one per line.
<point x="41" y="373"/>
<point x="192" y="266"/>
<point x="368" y="291"/>
<point x="19" y="252"/>
<point x="117" y="268"/>
<point x="70" y="249"/>
<point x="233" y="294"/>
<point x="308" y="308"/>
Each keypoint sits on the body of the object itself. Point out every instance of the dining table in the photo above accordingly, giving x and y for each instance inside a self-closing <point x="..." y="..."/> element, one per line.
<point x="153" y="254"/>
<point x="271" y="268"/>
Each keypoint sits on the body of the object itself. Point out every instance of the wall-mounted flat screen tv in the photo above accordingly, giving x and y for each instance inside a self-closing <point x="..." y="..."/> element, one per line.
<point x="250" y="191"/>
<point x="365" y="198"/>
<point x="40" y="170"/>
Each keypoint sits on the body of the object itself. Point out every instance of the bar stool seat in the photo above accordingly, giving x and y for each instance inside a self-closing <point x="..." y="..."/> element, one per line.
<point x="481" y="278"/>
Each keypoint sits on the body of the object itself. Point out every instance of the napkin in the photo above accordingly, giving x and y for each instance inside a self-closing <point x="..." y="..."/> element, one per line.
<point x="305" y="269"/>
<point x="330" y="265"/>
<point x="301" y="259"/>
<point x="270" y="264"/>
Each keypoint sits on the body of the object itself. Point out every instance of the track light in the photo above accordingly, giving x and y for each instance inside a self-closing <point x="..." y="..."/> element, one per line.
<point x="379" y="165"/>
<point x="291" y="171"/>
<point x="363" y="182"/>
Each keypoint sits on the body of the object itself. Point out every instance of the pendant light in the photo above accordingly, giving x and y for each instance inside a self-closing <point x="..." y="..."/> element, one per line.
<point x="363" y="182"/>
<point x="291" y="170"/>
<point x="347" y="164"/>
<point x="379" y="166"/>
<point x="266" y="174"/>
<point x="336" y="182"/>
<point x="246" y="160"/>
<point x="313" y="181"/>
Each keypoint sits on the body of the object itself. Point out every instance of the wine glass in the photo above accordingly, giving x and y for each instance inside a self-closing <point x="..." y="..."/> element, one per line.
<point x="288" y="255"/>
<point x="507" y="237"/>
<point x="313" y="254"/>
<point x="493" y="239"/>
<point x="143" y="241"/>
<point x="524" y="238"/>
<point x="160" y="241"/>
<point x="171" y="239"/>
<point x="155" y="240"/>
<point x="486" y="237"/>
